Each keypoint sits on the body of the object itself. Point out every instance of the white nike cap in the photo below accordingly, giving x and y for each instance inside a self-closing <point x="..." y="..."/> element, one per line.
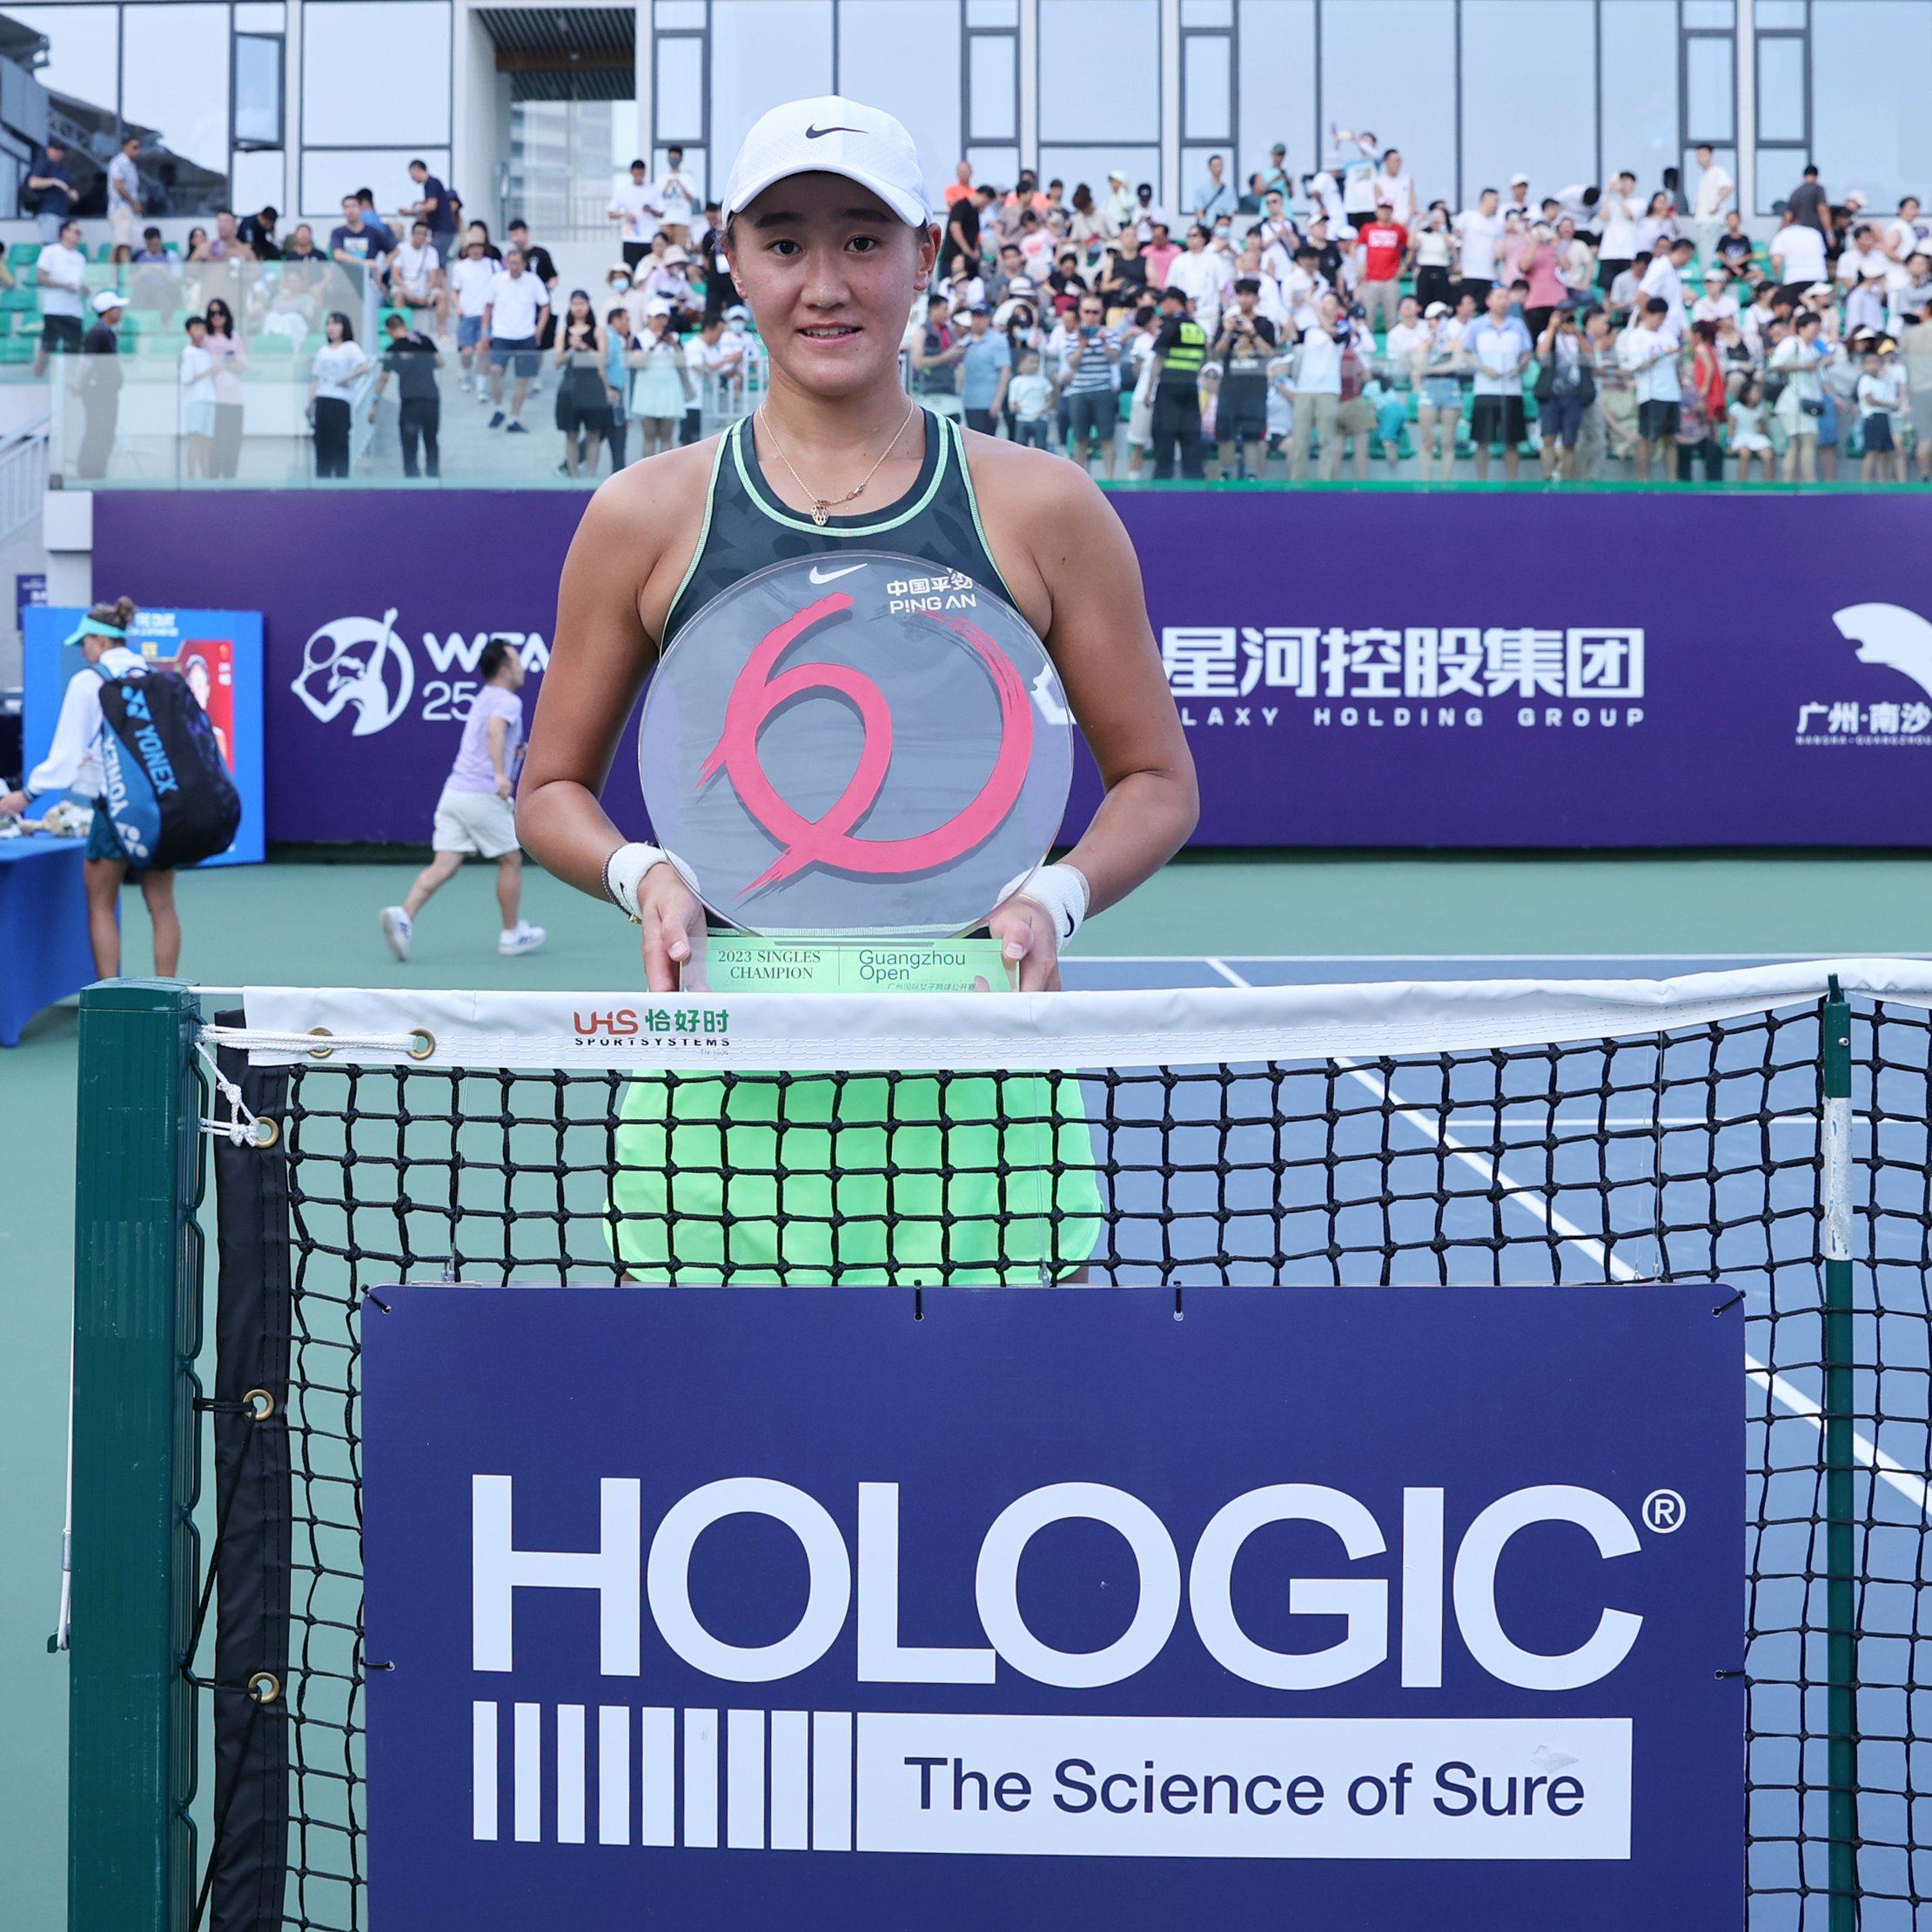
<point x="831" y="135"/>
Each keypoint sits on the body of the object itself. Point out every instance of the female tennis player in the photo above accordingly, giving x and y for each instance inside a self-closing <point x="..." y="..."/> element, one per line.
<point x="831" y="241"/>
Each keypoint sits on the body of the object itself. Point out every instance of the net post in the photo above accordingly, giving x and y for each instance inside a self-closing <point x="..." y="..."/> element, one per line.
<point x="136" y="1316"/>
<point x="1840" y="1571"/>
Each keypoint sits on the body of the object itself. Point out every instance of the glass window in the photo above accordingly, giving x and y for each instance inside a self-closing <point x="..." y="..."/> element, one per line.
<point x="1780" y="13"/>
<point x="1076" y="164"/>
<point x="260" y="16"/>
<point x="1781" y="87"/>
<point x="993" y="85"/>
<point x="1710" y="13"/>
<point x="998" y="167"/>
<point x="258" y="91"/>
<point x="1710" y="86"/>
<point x="992" y="13"/>
<point x="1389" y="67"/>
<point x="678" y="13"/>
<point x="256" y="178"/>
<point x="680" y="87"/>
<point x="1778" y="171"/>
<point x="1207" y="13"/>
<point x="82" y="51"/>
<point x="1276" y="85"/>
<point x="1637" y="83"/>
<point x="375" y="70"/>
<point x="1504" y="68"/>
<point x="174" y="79"/>
<point x="763" y="52"/>
<point x="1871" y="75"/>
<point x="1207" y="87"/>
<point x="330" y="173"/>
<point x="903" y="55"/>
<point x="1108" y="56"/>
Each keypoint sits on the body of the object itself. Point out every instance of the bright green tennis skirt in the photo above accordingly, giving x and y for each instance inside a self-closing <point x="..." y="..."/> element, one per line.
<point x="818" y="1180"/>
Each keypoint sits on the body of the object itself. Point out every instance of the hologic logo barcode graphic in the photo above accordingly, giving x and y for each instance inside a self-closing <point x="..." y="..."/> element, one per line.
<point x="656" y="1778"/>
<point x="1066" y="1785"/>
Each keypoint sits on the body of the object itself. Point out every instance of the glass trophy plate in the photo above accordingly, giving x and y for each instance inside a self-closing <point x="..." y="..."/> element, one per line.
<point x="852" y="759"/>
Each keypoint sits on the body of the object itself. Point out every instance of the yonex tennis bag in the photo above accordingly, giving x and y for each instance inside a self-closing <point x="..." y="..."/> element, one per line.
<point x="167" y="786"/>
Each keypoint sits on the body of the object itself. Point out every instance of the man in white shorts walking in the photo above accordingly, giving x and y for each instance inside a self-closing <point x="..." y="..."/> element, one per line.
<point x="474" y="815"/>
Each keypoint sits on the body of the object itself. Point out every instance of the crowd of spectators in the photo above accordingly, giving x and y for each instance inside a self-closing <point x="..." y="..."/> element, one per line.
<point x="1338" y="317"/>
<point x="1298" y="326"/>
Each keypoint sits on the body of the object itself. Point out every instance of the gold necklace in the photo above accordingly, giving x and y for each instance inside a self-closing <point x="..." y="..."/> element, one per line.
<point x="824" y="506"/>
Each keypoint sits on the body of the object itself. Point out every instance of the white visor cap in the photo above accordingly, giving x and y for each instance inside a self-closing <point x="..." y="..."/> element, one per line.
<point x="831" y="135"/>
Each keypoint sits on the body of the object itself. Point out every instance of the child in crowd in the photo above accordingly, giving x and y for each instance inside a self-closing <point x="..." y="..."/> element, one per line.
<point x="1748" y="438"/>
<point x="1032" y="397"/>
<point x="1881" y="394"/>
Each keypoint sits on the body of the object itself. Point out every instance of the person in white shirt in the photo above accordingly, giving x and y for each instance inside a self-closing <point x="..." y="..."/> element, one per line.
<point x="1617" y="215"/>
<point x="1718" y="303"/>
<point x="1325" y="193"/>
<point x="1905" y="235"/>
<point x="60" y="274"/>
<point x="1714" y="192"/>
<point x="1204" y="276"/>
<point x="1798" y="253"/>
<point x="1803" y="359"/>
<point x="1664" y="277"/>
<point x="1396" y="186"/>
<point x="636" y="205"/>
<point x="1318" y="390"/>
<point x="1865" y="255"/>
<point x="1402" y="341"/>
<point x="1518" y="202"/>
<point x="1880" y="397"/>
<point x="677" y="195"/>
<point x="1479" y="242"/>
<point x="519" y="306"/>
<point x="470" y="281"/>
<point x="416" y="278"/>
<point x="73" y="763"/>
<point x="1498" y="348"/>
<point x="1120" y="207"/>
<point x="1649" y="351"/>
<point x="124" y="192"/>
<point x="197" y="398"/>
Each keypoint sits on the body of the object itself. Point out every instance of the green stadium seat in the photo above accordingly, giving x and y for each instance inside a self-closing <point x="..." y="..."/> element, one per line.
<point x="21" y="254"/>
<point x="20" y="298"/>
<point x="272" y="348"/>
<point x="16" y="348"/>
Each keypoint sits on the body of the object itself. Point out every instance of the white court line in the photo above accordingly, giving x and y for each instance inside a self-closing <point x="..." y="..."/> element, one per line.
<point x="1787" y="1394"/>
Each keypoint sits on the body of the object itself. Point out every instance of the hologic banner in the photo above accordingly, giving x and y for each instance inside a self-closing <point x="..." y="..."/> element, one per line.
<point x="1387" y="1607"/>
<point x="1353" y="668"/>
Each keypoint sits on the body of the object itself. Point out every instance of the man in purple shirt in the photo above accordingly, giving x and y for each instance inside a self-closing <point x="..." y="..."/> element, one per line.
<point x="474" y="814"/>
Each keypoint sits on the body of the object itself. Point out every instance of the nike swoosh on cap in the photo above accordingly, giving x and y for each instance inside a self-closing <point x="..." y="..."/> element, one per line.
<point x="814" y="133"/>
<point x="825" y="576"/>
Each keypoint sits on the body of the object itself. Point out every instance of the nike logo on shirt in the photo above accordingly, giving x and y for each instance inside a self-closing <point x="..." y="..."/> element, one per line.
<point x="821" y="576"/>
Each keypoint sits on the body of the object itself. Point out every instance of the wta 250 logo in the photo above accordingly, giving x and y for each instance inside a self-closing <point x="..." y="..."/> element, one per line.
<point x="362" y="669"/>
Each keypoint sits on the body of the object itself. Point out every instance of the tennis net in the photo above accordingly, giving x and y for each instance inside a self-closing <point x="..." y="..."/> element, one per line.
<point x="1766" y="1128"/>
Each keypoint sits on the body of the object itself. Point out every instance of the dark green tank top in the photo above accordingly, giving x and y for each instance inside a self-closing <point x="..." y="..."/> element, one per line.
<point x="747" y="527"/>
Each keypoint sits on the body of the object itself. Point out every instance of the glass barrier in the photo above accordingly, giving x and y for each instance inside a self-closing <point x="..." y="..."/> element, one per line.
<point x="164" y="414"/>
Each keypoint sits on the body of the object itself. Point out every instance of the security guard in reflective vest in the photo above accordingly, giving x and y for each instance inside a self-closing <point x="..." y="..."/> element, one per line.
<point x="1179" y="350"/>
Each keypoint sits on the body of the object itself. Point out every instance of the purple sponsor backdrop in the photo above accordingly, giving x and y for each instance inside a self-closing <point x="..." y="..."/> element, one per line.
<point x="1354" y="669"/>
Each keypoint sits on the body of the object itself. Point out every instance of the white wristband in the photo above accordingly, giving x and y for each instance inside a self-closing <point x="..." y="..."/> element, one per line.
<point x="624" y="873"/>
<point x="1063" y="889"/>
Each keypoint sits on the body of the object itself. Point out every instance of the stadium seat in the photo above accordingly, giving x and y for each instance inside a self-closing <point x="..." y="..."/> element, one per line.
<point x="21" y="254"/>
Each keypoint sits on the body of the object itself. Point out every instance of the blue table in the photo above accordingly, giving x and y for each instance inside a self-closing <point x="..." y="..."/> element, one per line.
<point x="43" y="951"/>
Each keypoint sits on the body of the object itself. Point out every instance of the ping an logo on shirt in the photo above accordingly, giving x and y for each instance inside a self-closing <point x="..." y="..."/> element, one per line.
<point x="1412" y="678"/>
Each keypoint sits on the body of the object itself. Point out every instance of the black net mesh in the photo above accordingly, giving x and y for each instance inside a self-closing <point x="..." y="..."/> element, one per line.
<point x="1688" y="1155"/>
